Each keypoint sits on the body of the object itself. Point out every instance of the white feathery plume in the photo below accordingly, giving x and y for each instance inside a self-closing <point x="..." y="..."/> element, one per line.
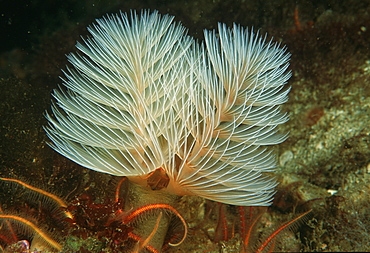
<point x="240" y="86"/>
<point x="143" y="95"/>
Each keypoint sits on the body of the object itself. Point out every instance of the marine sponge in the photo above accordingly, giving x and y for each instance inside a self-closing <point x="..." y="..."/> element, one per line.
<point x="142" y="96"/>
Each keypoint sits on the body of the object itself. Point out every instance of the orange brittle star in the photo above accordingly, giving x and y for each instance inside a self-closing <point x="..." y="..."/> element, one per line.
<point x="80" y="220"/>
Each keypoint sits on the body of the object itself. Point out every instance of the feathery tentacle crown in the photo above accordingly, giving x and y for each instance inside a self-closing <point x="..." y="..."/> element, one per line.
<point x="143" y="95"/>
